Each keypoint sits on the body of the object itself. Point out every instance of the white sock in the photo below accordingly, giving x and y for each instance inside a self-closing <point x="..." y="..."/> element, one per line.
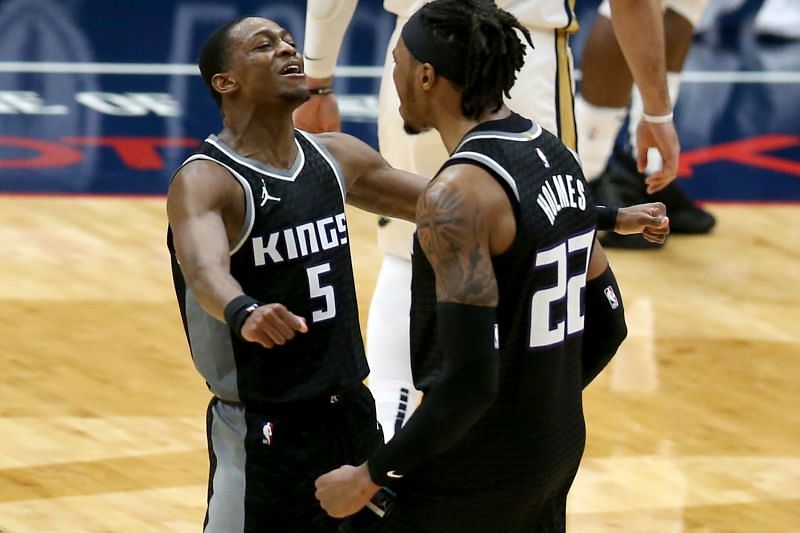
<point x="654" y="162"/>
<point x="388" y="350"/>
<point x="597" y="130"/>
<point x="395" y="401"/>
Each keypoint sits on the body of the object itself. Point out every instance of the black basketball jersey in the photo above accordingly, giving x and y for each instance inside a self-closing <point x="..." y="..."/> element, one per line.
<point x="293" y="249"/>
<point x="533" y="436"/>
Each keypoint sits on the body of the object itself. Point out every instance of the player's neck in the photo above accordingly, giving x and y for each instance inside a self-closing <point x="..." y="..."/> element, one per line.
<point x="265" y="137"/>
<point x="453" y="127"/>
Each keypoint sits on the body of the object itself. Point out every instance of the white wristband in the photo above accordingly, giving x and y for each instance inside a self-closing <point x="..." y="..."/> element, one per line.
<point x="657" y="119"/>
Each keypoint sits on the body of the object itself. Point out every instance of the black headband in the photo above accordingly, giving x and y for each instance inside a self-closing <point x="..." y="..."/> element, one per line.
<point x="449" y="59"/>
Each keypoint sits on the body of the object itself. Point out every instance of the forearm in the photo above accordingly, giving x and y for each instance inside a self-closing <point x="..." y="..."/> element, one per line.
<point x="465" y="390"/>
<point x="640" y="32"/>
<point x="212" y="286"/>
<point x="326" y="24"/>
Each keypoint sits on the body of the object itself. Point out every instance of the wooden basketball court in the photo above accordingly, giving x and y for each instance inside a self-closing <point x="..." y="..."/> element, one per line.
<point x="694" y="427"/>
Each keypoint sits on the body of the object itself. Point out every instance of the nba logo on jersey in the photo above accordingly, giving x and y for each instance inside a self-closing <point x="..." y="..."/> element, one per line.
<point x="611" y="296"/>
<point x="496" y="337"/>
<point x="267" y="431"/>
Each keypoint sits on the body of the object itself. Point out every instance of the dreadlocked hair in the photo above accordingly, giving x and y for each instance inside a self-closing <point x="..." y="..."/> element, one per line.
<point x="494" y="50"/>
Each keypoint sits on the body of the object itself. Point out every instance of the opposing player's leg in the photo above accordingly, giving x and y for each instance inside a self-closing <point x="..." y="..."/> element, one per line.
<point x="387" y="346"/>
<point x="390" y="378"/>
<point x="545" y="85"/>
<point x="601" y="109"/>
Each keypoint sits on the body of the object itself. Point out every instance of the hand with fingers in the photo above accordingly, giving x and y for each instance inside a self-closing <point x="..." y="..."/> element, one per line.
<point x="650" y="220"/>
<point x="663" y="137"/>
<point x="271" y="325"/>
<point x="320" y="113"/>
<point x="346" y="490"/>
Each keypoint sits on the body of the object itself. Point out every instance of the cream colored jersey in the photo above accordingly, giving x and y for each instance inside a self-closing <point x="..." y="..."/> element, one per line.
<point x="542" y="14"/>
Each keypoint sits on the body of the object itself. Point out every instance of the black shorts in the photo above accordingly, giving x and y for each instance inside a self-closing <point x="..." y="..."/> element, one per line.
<point x="265" y="459"/>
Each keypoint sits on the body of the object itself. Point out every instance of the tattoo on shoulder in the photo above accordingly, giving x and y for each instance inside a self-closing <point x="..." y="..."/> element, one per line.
<point x="450" y="231"/>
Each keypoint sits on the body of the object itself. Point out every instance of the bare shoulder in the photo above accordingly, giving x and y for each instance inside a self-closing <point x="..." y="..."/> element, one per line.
<point x="202" y="183"/>
<point x="453" y="227"/>
<point x="200" y="173"/>
<point x="465" y="189"/>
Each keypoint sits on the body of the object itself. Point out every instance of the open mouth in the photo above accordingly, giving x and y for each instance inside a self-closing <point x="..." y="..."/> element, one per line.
<point x="291" y="69"/>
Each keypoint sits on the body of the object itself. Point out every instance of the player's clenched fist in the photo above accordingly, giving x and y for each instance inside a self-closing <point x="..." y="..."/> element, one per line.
<point x="272" y="324"/>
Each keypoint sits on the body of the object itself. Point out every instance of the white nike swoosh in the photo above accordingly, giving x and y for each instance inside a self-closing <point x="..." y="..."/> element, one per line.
<point x="393" y="474"/>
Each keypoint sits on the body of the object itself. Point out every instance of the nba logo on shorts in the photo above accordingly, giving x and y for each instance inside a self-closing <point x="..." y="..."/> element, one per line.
<point x="267" y="431"/>
<point x="612" y="298"/>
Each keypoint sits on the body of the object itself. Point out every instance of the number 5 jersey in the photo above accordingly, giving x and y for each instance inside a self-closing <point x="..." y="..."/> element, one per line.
<point x="292" y="249"/>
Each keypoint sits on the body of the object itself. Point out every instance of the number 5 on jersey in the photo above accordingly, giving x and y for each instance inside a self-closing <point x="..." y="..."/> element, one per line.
<point x="316" y="290"/>
<point x="542" y="333"/>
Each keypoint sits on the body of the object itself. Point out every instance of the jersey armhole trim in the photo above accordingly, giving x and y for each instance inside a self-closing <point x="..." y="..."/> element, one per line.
<point x="533" y="133"/>
<point x="498" y="172"/>
<point x="249" y="203"/>
<point x="327" y="156"/>
<point x="488" y="164"/>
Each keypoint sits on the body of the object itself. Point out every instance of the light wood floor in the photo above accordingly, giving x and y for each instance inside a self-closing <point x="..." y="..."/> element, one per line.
<point x="694" y="427"/>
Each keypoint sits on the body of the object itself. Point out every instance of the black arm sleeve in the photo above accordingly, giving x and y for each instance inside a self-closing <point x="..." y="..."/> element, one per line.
<point x="604" y="324"/>
<point x="464" y="391"/>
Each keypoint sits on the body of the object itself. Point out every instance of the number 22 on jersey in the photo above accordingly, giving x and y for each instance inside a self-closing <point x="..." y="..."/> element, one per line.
<point x="546" y="329"/>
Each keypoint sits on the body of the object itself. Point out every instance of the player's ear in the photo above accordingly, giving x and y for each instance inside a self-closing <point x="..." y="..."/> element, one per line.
<point x="223" y="83"/>
<point x="427" y="76"/>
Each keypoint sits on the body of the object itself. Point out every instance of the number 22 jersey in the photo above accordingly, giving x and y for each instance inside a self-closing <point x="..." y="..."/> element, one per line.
<point x="532" y="437"/>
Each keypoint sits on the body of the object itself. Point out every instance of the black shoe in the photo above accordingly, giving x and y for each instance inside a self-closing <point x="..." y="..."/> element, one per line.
<point x="684" y="215"/>
<point x="617" y="187"/>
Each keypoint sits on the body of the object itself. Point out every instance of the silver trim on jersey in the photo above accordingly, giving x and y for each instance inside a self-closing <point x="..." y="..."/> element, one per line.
<point x="529" y="135"/>
<point x="327" y="156"/>
<point x="212" y="349"/>
<point x="249" y="203"/>
<point x="227" y="433"/>
<point x="289" y="174"/>
<point x="491" y="163"/>
<point x="576" y="156"/>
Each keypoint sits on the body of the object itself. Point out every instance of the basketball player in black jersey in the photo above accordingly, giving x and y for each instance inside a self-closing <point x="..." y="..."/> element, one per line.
<point x="507" y="278"/>
<point x="263" y="275"/>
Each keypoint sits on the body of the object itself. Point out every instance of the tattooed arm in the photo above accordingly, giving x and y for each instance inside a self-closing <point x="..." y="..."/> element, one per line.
<point x="463" y="218"/>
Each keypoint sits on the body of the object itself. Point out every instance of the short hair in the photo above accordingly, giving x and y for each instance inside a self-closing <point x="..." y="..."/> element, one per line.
<point x="494" y="50"/>
<point x="215" y="57"/>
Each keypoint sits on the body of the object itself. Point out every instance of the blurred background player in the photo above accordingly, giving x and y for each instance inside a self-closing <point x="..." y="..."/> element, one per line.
<point x="605" y="101"/>
<point x="543" y="91"/>
<point x="779" y="18"/>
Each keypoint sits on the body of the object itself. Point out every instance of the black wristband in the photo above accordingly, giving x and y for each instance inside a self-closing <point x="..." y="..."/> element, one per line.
<point x="606" y="217"/>
<point x="321" y="91"/>
<point x="237" y="311"/>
